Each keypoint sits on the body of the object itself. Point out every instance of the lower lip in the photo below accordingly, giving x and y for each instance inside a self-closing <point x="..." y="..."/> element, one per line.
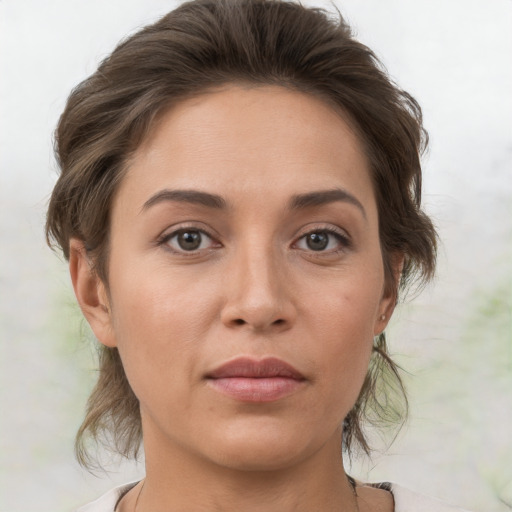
<point x="256" y="390"/>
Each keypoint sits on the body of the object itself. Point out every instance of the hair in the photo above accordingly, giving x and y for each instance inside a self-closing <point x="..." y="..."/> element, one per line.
<point x="199" y="46"/>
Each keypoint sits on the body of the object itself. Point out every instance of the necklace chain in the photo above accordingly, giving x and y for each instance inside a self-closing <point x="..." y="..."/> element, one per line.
<point x="138" y="496"/>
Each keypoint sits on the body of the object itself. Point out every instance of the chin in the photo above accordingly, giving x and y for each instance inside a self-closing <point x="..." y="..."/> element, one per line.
<point x="263" y="446"/>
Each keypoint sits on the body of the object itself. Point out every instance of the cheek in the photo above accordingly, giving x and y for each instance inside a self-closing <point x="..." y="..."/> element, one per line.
<point x="160" y="324"/>
<point x="344" y="322"/>
<point x="346" y="308"/>
<point x="157" y="303"/>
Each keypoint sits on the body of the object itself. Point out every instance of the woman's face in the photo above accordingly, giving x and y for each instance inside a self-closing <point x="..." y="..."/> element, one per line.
<point x="246" y="280"/>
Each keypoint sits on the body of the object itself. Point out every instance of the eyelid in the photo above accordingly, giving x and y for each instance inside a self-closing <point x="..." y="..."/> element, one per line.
<point x="173" y="231"/>
<point x="342" y="236"/>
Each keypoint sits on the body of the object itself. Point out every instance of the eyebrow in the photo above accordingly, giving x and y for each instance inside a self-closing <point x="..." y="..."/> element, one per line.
<point x="297" y="202"/>
<point x="322" y="197"/>
<point x="186" y="196"/>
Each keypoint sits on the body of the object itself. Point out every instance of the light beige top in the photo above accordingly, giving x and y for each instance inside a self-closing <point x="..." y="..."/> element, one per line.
<point x="405" y="501"/>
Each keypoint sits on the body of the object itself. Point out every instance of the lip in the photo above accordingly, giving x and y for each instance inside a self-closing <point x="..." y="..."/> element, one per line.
<point x="251" y="380"/>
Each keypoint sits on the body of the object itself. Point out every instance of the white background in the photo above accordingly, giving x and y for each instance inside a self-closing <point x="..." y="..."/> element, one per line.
<point x="455" y="340"/>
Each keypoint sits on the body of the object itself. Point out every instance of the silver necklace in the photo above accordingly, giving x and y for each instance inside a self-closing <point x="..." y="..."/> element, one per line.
<point x="138" y="496"/>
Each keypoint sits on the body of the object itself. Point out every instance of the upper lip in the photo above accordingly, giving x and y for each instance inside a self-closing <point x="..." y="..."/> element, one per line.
<point x="256" y="369"/>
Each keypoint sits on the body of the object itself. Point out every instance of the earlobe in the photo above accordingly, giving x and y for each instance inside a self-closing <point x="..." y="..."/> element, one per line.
<point x="90" y="293"/>
<point x="390" y="294"/>
<point x="383" y="318"/>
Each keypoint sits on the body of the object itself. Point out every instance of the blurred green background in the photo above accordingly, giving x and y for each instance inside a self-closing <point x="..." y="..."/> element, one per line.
<point x="454" y="340"/>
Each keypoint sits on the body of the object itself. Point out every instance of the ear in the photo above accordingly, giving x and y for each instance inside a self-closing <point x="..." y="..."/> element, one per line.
<point x="389" y="294"/>
<point x="90" y="293"/>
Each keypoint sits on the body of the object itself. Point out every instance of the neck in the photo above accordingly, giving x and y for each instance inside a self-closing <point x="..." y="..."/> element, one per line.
<point x="179" y="480"/>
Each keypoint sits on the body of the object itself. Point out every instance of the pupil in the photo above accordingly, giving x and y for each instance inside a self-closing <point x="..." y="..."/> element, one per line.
<point x="317" y="241"/>
<point x="189" y="240"/>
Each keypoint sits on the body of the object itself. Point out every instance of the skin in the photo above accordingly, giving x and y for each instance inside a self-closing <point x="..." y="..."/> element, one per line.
<point x="253" y="288"/>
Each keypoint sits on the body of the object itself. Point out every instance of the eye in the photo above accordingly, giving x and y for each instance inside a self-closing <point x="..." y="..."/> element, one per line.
<point x="323" y="240"/>
<point x="188" y="240"/>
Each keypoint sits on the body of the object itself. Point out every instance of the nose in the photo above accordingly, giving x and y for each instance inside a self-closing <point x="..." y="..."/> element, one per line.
<point x="258" y="294"/>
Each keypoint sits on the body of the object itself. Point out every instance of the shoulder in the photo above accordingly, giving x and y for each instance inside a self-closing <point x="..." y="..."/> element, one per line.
<point x="410" y="501"/>
<point x="107" y="502"/>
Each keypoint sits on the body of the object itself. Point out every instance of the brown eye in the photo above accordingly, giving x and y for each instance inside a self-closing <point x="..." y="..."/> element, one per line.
<point x="317" y="241"/>
<point x="189" y="240"/>
<point x="323" y="240"/>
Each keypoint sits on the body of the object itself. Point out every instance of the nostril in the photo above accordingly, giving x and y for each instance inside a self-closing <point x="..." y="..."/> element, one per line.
<point x="279" y="321"/>
<point x="239" y="321"/>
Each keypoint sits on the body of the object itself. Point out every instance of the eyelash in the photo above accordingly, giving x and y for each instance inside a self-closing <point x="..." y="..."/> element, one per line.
<point x="342" y="238"/>
<point x="166" y="238"/>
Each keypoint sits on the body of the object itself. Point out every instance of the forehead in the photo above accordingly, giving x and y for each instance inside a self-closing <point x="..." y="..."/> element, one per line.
<point x="255" y="141"/>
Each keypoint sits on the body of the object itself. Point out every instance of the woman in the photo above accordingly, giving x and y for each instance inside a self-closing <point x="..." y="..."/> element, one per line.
<point x="239" y="202"/>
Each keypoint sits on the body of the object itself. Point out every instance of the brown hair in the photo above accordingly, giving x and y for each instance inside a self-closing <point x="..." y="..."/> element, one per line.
<point x="201" y="45"/>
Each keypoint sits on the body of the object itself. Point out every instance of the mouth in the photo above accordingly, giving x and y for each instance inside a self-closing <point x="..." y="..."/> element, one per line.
<point x="251" y="380"/>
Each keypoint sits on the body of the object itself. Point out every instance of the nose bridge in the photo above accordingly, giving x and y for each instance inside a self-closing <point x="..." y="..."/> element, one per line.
<point x="257" y="294"/>
<point x="258" y="265"/>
